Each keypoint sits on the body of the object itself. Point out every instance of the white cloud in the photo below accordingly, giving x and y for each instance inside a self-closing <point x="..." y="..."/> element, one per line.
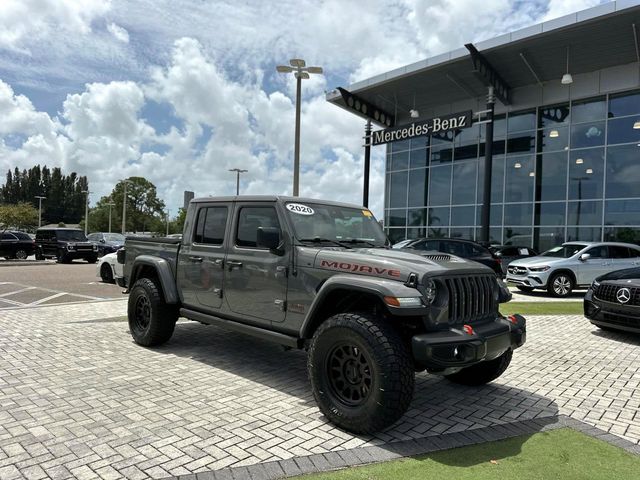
<point x="22" y="20"/>
<point x="118" y="32"/>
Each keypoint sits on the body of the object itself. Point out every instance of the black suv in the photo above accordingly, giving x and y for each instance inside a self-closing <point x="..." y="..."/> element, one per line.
<point x="14" y="244"/>
<point x="460" y="248"/>
<point x="66" y="244"/>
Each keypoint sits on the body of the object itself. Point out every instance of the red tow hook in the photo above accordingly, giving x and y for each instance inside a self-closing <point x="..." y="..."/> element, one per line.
<point x="512" y="319"/>
<point x="468" y="329"/>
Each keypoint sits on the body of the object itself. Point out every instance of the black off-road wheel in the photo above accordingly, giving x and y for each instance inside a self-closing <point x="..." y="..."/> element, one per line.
<point x="151" y="319"/>
<point x="483" y="372"/>
<point x="39" y="255"/>
<point x="524" y="288"/>
<point x="106" y="274"/>
<point x="361" y="372"/>
<point x="560" y="285"/>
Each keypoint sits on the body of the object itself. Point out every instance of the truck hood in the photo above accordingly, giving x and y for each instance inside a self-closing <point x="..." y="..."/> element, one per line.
<point x="393" y="264"/>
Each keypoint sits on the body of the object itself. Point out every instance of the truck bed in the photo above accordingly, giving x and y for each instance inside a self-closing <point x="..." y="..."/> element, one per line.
<point x="163" y="247"/>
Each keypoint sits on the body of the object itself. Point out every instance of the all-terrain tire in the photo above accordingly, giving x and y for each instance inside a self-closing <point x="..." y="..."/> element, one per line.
<point x="483" y="372"/>
<point x="39" y="255"/>
<point x="560" y="285"/>
<point x="63" y="257"/>
<point x="106" y="273"/>
<point x="361" y="372"/>
<point x="524" y="288"/>
<point x="151" y="319"/>
<point x="92" y="259"/>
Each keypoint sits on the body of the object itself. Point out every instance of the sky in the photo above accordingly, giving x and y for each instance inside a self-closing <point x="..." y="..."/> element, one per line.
<point x="180" y="91"/>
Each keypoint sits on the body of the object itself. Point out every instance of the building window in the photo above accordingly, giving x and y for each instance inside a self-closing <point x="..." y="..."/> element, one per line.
<point x="622" y="212"/>
<point x="587" y="135"/>
<point x="463" y="190"/>
<point x="518" y="213"/>
<point x="621" y="130"/>
<point x="588" y="110"/>
<point x="624" y="104"/>
<point x="551" y="176"/>
<point x="462" y="216"/>
<point x="418" y="187"/>
<point x="586" y="174"/>
<point x="440" y="185"/>
<point x="584" y="213"/>
<point x="518" y="181"/>
<point x="398" y="193"/>
<point x="623" y="171"/>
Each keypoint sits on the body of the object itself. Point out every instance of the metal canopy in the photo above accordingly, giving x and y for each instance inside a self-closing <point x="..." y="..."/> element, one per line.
<point x="599" y="42"/>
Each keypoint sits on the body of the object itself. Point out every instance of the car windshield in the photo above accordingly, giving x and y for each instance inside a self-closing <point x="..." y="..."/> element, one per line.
<point x="114" y="237"/>
<point x="71" y="235"/>
<point x="343" y="225"/>
<point x="564" y="251"/>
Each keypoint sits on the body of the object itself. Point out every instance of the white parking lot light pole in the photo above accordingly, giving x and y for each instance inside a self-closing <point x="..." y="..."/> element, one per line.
<point x="40" y="198"/>
<point x="301" y="72"/>
<point x="111" y="204"/>
<point x="86" y="212"/>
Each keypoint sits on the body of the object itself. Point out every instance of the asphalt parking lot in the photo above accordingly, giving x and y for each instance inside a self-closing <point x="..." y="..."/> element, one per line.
<point x="29" y="283"/>
<point x="78" y="399"/>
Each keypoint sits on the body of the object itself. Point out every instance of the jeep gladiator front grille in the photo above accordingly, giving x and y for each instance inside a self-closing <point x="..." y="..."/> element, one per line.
<point x="471" y="298"/>
<point x="608" y="293"/>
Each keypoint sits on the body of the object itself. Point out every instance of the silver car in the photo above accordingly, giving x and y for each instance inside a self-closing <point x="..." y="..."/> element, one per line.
<point x="571" y="265"/>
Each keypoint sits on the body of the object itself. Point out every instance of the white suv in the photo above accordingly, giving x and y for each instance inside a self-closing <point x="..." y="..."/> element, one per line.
<point x="574" y="264"/>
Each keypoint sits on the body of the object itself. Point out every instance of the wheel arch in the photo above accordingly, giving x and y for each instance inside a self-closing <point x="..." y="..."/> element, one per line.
<point x="147" y="266"/>
<point x="364" y="294"/>
<point x="566" y="271"/>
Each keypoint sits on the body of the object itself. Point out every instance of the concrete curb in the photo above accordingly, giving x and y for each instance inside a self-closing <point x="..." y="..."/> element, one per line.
<point x="324" y="462"/>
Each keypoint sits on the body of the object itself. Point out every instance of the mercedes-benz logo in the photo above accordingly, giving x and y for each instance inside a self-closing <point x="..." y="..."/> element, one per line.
<point x="623" y="295"/>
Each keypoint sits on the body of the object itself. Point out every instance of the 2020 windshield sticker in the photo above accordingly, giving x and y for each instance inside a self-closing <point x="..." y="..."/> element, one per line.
<point x="300" y="209"/>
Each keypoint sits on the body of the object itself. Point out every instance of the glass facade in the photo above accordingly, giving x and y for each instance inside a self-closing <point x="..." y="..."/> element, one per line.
<point x="561" y="172"/>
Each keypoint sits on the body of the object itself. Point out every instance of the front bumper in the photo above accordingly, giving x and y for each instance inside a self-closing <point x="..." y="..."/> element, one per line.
<point x="455" y="348"/>
<point x="611" y="315"/>
<point x="529" y="279"/>
<point x="82" y="254"/>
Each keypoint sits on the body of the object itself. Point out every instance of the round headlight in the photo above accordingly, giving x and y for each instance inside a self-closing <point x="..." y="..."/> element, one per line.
<point x="430" y="291"/>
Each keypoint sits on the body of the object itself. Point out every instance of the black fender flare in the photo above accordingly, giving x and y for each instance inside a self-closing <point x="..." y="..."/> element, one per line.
<point x="375" y="286"/>
<point x="163" y="271"/>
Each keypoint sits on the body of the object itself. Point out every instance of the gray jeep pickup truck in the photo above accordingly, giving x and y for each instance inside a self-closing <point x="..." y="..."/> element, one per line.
<point x="320" y="276"/>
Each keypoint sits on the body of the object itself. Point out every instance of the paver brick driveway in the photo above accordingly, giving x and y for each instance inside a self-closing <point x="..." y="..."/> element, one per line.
<point x="78" y="399"/>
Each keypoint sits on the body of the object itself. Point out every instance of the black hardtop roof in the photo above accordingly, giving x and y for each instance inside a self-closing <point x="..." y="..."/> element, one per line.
<point x="61" y="228"/>
<point x="273" y="198"/>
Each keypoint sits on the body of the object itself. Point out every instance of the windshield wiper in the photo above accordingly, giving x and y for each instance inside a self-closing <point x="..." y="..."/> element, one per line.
<point x="323" y="240"/>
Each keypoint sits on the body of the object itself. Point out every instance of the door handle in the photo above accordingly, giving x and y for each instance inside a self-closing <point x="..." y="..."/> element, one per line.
<point x="196" y="259"/>
<point x="233" y="263"/>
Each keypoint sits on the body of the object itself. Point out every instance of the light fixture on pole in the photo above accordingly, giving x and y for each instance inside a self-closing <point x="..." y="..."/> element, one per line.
<point x="40" y="198"/>
<point x="238" y="172"/>
<point x="567" y="79"/>
<point x="300" y="71"/>
<point x="86" y="212"/>
<point x="111" y="204"/>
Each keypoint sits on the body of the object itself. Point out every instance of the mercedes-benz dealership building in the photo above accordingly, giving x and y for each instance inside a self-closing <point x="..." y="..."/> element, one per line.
<point x="566" y="134"/>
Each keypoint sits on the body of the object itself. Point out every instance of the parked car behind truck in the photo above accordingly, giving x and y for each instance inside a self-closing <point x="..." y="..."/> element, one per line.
<point x="573" y="264"/>
<point x="320" y="276"/>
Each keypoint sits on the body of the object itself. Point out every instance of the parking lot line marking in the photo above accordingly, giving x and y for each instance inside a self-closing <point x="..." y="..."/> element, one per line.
<point x="17" y="291"/>
<point x="56" y="291"/>
<point x="13" y="302"/>
<point x="42" y="300"/>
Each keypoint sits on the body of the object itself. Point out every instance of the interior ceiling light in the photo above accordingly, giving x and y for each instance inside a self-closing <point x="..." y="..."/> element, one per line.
<point x="517" y="165"/>
<point x="579" y="161"/>
<point x="636" y="125"/>
<point x="414" y="113"/>
<point x="532" y="174"/>
<point x="567" y="79"/>
<point x="553" y="134"/>
<point x="589" y="171"/>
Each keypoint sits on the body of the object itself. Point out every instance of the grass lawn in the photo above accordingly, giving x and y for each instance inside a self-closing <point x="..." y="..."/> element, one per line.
<point x="542" y="308"/>
<point x="562" y="454"/>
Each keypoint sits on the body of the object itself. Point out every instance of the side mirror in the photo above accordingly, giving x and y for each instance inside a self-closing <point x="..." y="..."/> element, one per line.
<point x="268" y="237"/>
<point x="584" y="257"/>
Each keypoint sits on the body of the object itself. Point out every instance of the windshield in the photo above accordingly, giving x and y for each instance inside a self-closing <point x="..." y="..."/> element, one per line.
<point x="114" y="237"/>
<point x="563" y="251"/>
<point x="335" y="224"/>
<point x="71" y="235"/>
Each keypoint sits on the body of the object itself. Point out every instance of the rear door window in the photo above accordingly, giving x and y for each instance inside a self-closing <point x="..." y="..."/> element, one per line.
<point x="618" y="252"/>
<point x="8" y="237"/>
<point x="211" y="225"/>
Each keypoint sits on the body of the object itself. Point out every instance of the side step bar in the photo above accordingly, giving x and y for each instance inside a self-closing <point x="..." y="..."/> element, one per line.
<point x="275" y="337"/>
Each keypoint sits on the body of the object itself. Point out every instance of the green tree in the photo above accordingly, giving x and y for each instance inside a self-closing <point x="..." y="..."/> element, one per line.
<point x="21" y="216"/>
<point x="145" y="211"/>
